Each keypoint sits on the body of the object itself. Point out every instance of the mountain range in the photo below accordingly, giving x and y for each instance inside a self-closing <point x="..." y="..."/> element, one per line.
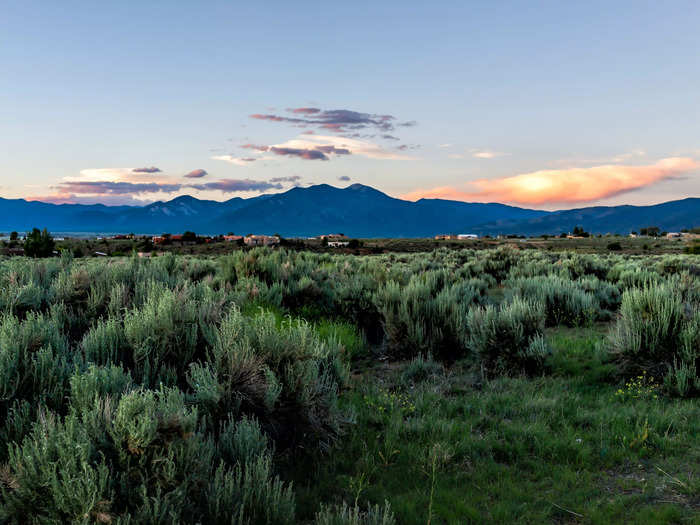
<point x="357" y="211"/>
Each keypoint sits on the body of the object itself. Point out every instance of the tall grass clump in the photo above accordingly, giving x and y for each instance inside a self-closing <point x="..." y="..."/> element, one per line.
<point x="657" y="333"/>
<point x="508" y="339"/>
<point x="347" y="515"/>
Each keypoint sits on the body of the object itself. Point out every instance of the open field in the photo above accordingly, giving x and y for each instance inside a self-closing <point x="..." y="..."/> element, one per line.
<point x="478" y="383"/>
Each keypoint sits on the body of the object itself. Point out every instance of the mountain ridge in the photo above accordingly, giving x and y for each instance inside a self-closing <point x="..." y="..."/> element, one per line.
<point x="356" y="210"/>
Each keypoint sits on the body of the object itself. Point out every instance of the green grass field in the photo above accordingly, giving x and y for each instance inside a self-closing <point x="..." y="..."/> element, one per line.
<point x="566" y="447"/>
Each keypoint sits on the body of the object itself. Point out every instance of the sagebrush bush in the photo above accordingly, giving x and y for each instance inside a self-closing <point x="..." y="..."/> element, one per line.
<point x="508" y="339"/>
<point x="280" y="372"/>
<point x="658" y="333"/>
<point x="35" y="362"/>
<point x="163" y="335"/>
<point x="565" y="301"/>
<point x="421" y="368"/>
<point x="426" y="315"/>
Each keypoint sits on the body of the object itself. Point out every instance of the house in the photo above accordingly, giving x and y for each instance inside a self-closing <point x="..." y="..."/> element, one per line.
<point x="463" y="236"/>
<point x="232" y="238"/>
<point x="446" y="237"/>
<point x="261" y="240"/>
<point x="330" y="237"/>
<point x="673" y="235"/>
<point x="338" y="244"/>
<point x="158" y="239"/>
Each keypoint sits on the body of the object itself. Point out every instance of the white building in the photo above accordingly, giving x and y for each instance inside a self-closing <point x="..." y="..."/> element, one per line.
<point x="467" y="236"/>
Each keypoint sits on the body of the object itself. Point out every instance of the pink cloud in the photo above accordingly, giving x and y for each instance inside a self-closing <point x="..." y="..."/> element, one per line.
<point x="565" y="186"/>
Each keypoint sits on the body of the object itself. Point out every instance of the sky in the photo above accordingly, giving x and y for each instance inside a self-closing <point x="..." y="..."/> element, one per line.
<point x="544" y="105"/>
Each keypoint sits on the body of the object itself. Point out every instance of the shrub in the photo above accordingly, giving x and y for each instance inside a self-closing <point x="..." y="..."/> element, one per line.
<point x="95" y="383"/>
<point x="106" y="344"/>
<point x="242" y="441"/>
<point x="421" y="369"/>
<point x="657" y="334"/>
<point x="34" y="361"/>
<point x="508" y="339"/>
<point x="249" y="494"/>
<point x="425" y="316"/>
<point x="565" y="301"/>
<point x="163" y="335"/>
<point x="56" y="476"/>
<point x="284" y="374"/>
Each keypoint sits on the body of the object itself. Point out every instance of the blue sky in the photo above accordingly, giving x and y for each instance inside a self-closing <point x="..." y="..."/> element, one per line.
<point x="541" y="104"/>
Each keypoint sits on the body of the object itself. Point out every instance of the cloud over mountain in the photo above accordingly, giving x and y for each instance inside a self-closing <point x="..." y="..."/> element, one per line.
<point x="234" y="185"/>
<point x="116" y="188"/>
<point x="564" y="186"/>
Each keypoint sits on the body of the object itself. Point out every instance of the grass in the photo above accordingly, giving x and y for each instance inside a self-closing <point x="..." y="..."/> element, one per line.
<point x="557" y="448"/>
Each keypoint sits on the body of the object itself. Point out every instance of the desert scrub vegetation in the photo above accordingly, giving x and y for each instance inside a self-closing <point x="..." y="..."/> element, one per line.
<point x="274" y="386"/>
<point x="658" y="332"/>
<point x="508" y="339"/>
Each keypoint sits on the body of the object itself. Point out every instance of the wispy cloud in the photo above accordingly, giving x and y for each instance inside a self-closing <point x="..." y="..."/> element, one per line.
<point x="237" y="185"/>
<point x="565" y="186"/>
<point x="332" y="145"/>
<point x="615" y="159"/>
<point x="256" y="147"/>
<point x="486" y="154"/>
<point x="151" y="169"/>
<point x="196" y="174"/>
<point x="302" y="153"/>
<point x="238" y="161"/>
<point x="335" y="120"/>
<point x="116" y="188"/>
<point x="344" y="178"/>
<point x="290" y="178"/>
<point x="108" y="200"/>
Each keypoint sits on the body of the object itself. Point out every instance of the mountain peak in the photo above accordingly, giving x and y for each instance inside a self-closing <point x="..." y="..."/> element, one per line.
<point x="184" y="198"/>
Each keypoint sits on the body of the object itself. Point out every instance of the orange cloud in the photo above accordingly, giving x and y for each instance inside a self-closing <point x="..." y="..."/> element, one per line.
<point x="574" y="185"/>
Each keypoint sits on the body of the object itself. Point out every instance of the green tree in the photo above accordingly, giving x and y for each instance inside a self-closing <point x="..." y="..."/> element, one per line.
<point x="39" y="244"/>
<point x="13" y="236"/>
<point x="580" y="232"/>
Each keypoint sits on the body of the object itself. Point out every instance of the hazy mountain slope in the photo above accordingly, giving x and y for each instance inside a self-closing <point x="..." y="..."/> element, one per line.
<point x="669" y="216"/>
